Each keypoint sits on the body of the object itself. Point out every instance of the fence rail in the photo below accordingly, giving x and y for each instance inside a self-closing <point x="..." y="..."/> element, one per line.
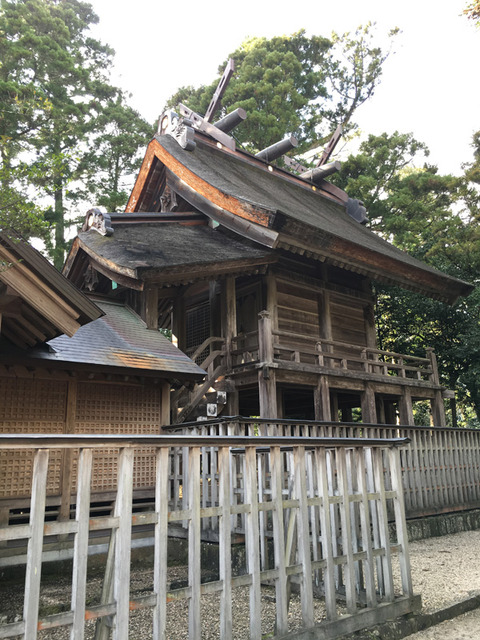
<point x="324" y="504"/>
<point x="440" y="466"/>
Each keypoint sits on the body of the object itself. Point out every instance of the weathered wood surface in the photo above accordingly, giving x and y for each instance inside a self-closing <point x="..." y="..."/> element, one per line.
<point x="440" y="467"/>
<point x="300" y="485"/>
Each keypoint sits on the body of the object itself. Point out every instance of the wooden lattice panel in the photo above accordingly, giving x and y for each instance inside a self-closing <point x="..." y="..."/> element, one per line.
<point x="24" y="399"/>
<point x="30" y="406"/>
<point x="110" y="408"/>
<point x="117" y="409"/>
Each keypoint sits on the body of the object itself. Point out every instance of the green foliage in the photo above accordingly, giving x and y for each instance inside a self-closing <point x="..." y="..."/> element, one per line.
<point x="472" y="11"/>
<point x="297" y="85"/>
<point x="434" y="218"/>
<point x="108" y="165"/>
<point x="56" y="105"/>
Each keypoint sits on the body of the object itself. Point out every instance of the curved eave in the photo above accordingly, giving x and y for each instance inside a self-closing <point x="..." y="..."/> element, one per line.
<point x="122" y="275"/>
<point x="234" y="205"/>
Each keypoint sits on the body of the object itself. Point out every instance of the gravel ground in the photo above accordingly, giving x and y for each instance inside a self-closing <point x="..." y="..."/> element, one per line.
<point x="444" y="570"/>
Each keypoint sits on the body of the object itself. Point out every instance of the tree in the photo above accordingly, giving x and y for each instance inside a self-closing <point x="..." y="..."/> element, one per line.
<point x="55" y="96"/>
<point x="295" y="84"/>
<point x="120" y="133"/>
<point x="435" y="218"/>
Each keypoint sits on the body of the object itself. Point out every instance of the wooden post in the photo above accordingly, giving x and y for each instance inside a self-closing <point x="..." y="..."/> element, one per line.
<point x="67" y="459"/>
<point x="179" y="322"/>
<point x="230" y="320"/>
<point x="438" y="410"/>
<point x="80" y="553"/>
<point x="279" y="541"/>
<point x="123" y="538"/>
<point x="267" y="387"/>
<point x="165" y="404"/>
<point x="161" y="544"/>
<point x="225" y="540"/>
<point x="272" y="296"/>
<point x="35" y="544"/>
<point x="321" y="398"/>
<point x="369" y="410"/>
<point x="370" y="329"/>
<point x="194" y="535"/>
<point x="405" y="407"/>
<point x="252" y="534"/>
<point x="433" y="364"/>
<point x="151" y="308"/>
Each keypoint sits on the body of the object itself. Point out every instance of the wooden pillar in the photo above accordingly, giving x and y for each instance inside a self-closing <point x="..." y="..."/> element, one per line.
<point x="324" y="316"/>
<point x="232" y="408"/>
<point x="67" y="460"/>
<point x="271" y="284"/>
<point x="369" y="409"/>
<point x="230" y="318"/>
<point x="438" y="410"/>
<point x="370" y="329"/>
<point x="165" y="404"/>
<point x="390" y="412"/>
<point x="267" y="387"/>
<point x="334" y="406"/>
<point x="151" y="308"/>
<point x="381" y="410"/>
<point x="405" y="408"/>
<point x="321" y="397"/>
<point x="179" y="327"/>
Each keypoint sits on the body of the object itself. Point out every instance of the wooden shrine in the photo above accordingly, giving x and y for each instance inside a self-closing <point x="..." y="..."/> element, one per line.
<point x="263" y="276"/>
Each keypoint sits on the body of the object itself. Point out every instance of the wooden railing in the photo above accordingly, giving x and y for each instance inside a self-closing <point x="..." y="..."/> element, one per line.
<point x="311" y="352"/>
<point x="440" y="466"/>
<point x="324" y="502"/>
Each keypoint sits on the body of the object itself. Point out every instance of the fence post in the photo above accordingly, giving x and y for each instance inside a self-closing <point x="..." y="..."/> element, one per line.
<point x="80" y="553"/>
<point x="123" y="538"/>
<point x="35" y="544"/>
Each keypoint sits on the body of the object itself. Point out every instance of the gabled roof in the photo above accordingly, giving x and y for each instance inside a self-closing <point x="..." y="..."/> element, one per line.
<point x="277" y="209"/>
<point x="263" y="207"/>
<point x="120" y="341"/>
<point x="168" y="253"/>
<point x="37" y="302"/>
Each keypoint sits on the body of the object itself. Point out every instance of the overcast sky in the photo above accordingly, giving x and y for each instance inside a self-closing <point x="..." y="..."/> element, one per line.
<point x="430" y="86"/>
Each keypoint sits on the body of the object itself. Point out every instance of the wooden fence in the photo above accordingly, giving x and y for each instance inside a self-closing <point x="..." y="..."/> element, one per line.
<point x="440" y="466"/>
<point x="324" y="503"/>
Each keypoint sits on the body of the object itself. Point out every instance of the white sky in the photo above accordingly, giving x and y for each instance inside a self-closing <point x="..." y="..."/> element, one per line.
<point x="430" y="87"/>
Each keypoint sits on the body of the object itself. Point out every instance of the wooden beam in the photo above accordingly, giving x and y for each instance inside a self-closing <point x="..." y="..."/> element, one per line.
<point x="40" y="297"/>
<point x="220" y="90"/>
<point x="19" y="267"/>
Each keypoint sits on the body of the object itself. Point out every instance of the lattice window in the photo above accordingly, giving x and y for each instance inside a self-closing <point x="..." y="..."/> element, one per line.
<point x="198" y="328"/>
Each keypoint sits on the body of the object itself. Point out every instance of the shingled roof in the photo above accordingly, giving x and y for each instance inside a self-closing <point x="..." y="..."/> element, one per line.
<point x="120" y="341"/>
<point x="259" y="207"/>
<point x="293" y="213"/>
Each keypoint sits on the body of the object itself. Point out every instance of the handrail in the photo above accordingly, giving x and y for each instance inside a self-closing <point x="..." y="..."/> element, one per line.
<point x="66" y="441"/>
<point x="206" y="343"/>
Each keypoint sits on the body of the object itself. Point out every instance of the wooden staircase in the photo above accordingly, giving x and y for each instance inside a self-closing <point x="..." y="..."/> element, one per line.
<point x="207" y="399"/>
